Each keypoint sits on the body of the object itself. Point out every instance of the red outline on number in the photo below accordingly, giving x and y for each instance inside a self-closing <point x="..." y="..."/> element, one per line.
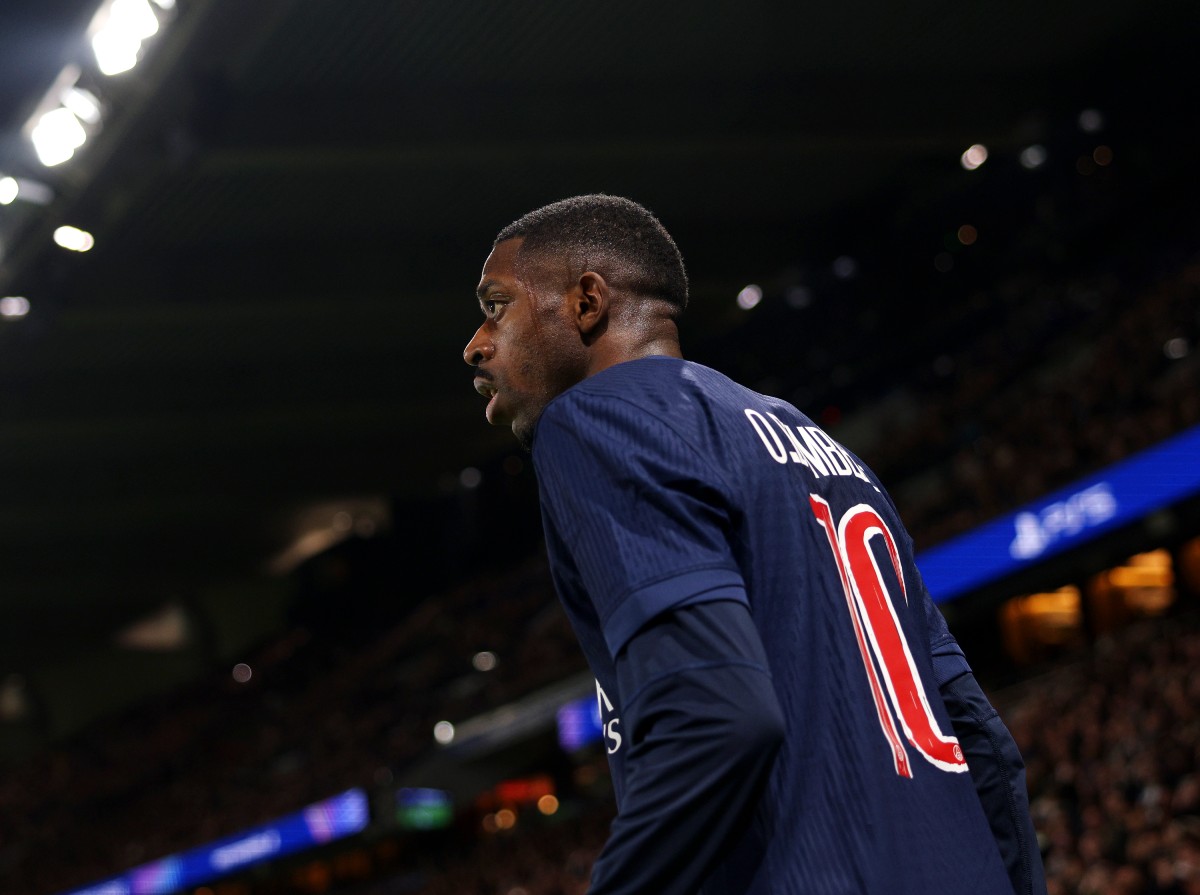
<point x="875" y="612"/>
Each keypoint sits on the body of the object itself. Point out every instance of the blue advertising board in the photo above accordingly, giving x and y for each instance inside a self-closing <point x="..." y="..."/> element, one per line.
<point x="579" y="723"/>
<point x="1124" y="492"/>
<point x="327" y="820"/>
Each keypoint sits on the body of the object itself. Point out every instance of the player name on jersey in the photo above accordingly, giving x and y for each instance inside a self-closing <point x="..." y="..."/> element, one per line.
<point x="809" y="446"/>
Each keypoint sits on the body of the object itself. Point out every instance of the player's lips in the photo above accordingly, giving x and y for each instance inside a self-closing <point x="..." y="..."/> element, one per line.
<point x="486" y="387"/>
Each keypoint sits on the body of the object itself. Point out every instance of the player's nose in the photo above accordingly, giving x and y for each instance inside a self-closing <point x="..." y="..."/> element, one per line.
<point x="479" y="349"/>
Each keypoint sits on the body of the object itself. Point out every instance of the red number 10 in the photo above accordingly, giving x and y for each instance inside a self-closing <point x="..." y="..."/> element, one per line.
<point x="878" y="633"/>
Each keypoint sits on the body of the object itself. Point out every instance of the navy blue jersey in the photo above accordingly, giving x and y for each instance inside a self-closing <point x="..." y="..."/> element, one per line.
<point x="665" y="485"/>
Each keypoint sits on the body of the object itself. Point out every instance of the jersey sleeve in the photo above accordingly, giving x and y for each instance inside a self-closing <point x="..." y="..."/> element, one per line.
<point x="645" y="516"/>
<point x="995" y="763"/>
<point x="704" y="726"/>
<point x="949" y="661"/>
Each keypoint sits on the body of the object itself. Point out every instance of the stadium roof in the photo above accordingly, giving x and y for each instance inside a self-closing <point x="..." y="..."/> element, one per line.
<point x="291" y="201"/>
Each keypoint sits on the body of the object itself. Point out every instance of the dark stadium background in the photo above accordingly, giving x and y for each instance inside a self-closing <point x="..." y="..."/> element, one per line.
<point x="238" y="430"/>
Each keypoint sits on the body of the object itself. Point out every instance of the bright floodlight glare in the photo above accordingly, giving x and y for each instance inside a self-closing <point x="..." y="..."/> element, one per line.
<point x="443" y="732"/>
<point x="56" y="136"/>
<point x="115" y="52"/>
<point x="14" y="306"/>
<point x="133" y="17"/>
<point x="165" y="4"/>
<point x="74" y="239"/>
<point x="1033" y="156"/>
<point x="9" y="188"/>
<point x="749" y="297"/>
<point x="82" y="103"/>
<point x="975" y="156"/>
<point x="119" y="41"/>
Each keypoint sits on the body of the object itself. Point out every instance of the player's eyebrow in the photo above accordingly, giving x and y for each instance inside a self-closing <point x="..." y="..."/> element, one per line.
<point x="485" y="287"/>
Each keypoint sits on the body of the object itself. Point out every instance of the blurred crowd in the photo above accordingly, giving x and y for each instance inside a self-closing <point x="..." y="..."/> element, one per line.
<point x="1111" y="741"/>
<point x="1006" y="431"/>
<point x="316" y="717"/>
<point x="1112" y="748"/>
<point x="1066" y="337"/>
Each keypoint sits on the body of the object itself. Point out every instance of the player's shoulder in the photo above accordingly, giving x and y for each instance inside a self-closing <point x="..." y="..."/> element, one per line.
<point x="652" y="400"/>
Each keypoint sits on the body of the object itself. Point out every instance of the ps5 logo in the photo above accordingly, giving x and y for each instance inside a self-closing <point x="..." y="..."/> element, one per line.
<point x="1035" y="532"/>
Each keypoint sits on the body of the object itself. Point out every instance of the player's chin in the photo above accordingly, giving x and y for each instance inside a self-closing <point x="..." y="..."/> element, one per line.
<point x="524" y="424"/>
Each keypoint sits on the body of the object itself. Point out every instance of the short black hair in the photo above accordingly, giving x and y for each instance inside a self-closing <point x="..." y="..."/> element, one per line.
<point x="597" y="226"/>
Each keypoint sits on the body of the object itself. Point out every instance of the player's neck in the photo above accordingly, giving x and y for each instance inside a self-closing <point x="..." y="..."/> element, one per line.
<point x="610" y="354"/>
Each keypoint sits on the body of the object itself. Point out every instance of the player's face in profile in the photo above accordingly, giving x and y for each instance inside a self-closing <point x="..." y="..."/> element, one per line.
<point x="521" y="350"/>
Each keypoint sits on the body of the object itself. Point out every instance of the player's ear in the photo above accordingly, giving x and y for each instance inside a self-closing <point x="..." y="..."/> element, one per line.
<point x="591" y="303"/>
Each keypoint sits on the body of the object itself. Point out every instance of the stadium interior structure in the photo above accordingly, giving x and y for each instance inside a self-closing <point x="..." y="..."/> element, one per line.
<point x="274" y="616"/>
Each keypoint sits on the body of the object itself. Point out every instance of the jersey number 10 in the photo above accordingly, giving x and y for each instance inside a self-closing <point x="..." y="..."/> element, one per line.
<point x="878" y="632"/>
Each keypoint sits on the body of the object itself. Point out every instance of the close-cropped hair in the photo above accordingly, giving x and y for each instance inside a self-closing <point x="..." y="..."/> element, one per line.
<point x="589" y="229"/>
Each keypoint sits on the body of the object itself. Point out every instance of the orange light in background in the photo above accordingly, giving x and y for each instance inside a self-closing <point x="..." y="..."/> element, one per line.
<point x="1143" y="585"/>
<point x="506" y="819"/>
<point x="547" y="805"/>
<point x="1036" y="625"/>
<point x="524" y="790"/>
<point x="1102" y="156"/>
<point x="967" y="234"/>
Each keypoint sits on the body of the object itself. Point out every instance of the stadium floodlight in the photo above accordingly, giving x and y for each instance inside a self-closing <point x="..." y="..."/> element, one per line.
<point x="74" y="239"/>
<point x="56" y="136"/>
<point x="9" y="190"/>
<point x="117" y="32"/>
<point x="83" y="104"/>
<point x="65" y="118"/>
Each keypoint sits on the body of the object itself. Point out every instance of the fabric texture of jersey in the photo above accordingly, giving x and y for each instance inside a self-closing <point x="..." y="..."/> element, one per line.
<point x="666" y="484"/>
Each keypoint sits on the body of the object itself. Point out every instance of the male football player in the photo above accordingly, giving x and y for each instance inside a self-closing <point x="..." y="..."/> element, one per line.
<point x="784" y="708"/>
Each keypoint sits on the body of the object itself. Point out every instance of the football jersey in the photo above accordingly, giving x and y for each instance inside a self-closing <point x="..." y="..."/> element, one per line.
<point x="665" y="484"/>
